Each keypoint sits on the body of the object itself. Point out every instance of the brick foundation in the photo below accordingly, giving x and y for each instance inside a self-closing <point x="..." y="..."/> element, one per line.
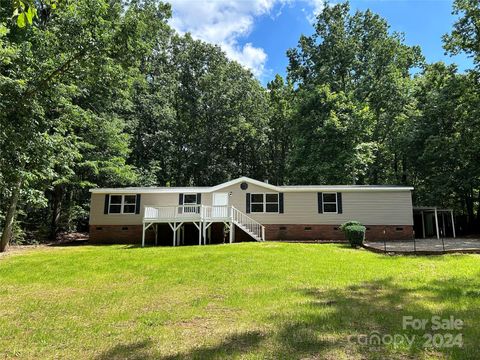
<point x="332" y="232"/>
<point x="118" y="234"/>
<point x="132" y="234"/>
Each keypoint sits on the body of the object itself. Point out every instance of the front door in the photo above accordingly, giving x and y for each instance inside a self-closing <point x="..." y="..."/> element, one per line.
<point x="220" y="205"/>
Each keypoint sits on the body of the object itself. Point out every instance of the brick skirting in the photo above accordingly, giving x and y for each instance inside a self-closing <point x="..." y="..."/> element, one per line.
<point x="333" y="232"/>
<point x="132" y="234"/>
<point x="118" y="234"/>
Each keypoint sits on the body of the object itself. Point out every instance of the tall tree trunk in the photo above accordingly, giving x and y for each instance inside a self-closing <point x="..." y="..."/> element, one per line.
<point x="10" y="215"/>
<point x="469" y="205"/>
<point x="395" y="167"/>
<point x="57" y="198"/>
<point x="478" y="209"/>
<point x="404" y="170"/>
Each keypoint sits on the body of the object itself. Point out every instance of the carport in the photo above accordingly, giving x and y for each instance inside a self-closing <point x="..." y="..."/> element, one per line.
<point x="433" y="221"/>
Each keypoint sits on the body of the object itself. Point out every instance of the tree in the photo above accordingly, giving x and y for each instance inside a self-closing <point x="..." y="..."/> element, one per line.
<point x="465" y="36"/>
<point x="200" y="119"/>
<point x="48" y="93"/>
<point x="356" y="55"/>
<point x="444" y="140"/>
<point x="328" y="146"/>
<point x="280" y="127"/>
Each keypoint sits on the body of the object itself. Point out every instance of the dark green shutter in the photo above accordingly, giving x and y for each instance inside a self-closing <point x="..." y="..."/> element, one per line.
<point x="180" y="202"/>
<point x="280" y="203"/>
<point x="320" y="202"/>
<point x="247" y="201"/>
<point x="339" y="203"/>
<point x="107" y="203"/>
<point x="199" y="201"/>
<point x="137" y="204"/>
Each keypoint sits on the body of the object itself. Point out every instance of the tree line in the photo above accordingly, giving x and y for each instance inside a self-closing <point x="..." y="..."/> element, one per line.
<point x="105" y="93"/>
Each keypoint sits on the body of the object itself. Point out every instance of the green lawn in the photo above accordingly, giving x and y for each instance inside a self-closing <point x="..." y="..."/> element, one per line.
<point x="250" y="300"/>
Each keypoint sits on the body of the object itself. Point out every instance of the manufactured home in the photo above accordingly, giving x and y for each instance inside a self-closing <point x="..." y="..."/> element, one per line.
<point x="245" y="209"/>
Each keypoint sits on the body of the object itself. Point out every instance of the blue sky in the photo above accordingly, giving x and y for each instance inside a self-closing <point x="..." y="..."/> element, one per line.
<point x="257" y="33"/>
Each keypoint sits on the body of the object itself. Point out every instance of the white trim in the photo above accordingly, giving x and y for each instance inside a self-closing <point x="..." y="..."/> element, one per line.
<point x="299" y="188"/>
<point x="330" y="202"/>
<point x="264" y="203"/>
<point x="122" y="204"/>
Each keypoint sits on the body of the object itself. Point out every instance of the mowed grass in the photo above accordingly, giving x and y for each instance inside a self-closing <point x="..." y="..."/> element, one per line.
<point x="248" y="300"/>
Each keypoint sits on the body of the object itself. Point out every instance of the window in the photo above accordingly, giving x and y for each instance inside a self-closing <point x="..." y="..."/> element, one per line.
<point x="256" y="203"/>
<point x="122" y="204"/>
<point x="190" y="199"/>
<point x="129" y="202"/>
<point x="271" y="203"/>
<point x="115" y="204"/>
<point x="264" y="203"/>
<point x="329" y="202"/>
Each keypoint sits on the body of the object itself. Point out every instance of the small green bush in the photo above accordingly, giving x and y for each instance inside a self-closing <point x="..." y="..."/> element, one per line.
<point x="349" y="223"/>
<point x="354" y="232"/>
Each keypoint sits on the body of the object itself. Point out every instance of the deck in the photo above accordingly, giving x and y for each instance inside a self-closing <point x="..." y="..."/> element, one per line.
<point x="202" y="216"/>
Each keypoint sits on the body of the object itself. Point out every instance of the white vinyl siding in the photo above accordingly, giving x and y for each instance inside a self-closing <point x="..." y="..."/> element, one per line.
<point x="369" y="207"/>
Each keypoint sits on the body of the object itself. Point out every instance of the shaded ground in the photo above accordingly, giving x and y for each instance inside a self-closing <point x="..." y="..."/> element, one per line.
<point x="427" y="245"/>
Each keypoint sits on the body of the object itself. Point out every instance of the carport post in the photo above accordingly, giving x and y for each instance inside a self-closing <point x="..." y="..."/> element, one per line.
<point x="436" y="223"/>
<point x="453" y="224"/>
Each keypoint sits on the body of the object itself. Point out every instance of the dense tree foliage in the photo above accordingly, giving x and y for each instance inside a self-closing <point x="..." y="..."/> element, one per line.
<point x="200" y="118"/>
<point x="367" y="68"/>
<point x="105" y="93"/>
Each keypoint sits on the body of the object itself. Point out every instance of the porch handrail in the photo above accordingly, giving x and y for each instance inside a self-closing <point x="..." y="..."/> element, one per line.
<point x="204" y="213"/>
<point x="216" y="212"/>
<point x="250" y="224"/>
<point x="173" y="211"/>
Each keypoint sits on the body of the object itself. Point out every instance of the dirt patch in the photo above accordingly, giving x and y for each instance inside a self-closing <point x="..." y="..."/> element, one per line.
<point x="19" y="249"/>
<point x="63" y="239"/>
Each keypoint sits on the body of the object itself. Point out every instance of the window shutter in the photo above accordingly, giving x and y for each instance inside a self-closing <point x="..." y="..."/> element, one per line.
<point x="107" y="203"/>
<point x="180" y="202"/>
<point x="248" y="203"/>
<point x="280" y="203"/>
<point x="320" y="202"/>
<point x="339" y="203"/>
<point x="199" y="201"/>
<point x="137" y="204"/>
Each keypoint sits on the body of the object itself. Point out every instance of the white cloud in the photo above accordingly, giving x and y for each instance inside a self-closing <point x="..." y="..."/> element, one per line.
<point x="224" y="23"/>
<point x="317" y="6"/>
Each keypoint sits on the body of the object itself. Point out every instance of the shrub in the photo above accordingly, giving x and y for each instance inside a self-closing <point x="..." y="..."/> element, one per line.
<point x="354" y="232"/>
<point x="349" y="223"/>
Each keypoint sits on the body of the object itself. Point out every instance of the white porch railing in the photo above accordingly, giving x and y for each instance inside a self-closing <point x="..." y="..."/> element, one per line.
<point x="171" y="213"/>
<point x="217" y="212"/>
<point x="204" y="213"/>
<point x="253" y="227"/>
